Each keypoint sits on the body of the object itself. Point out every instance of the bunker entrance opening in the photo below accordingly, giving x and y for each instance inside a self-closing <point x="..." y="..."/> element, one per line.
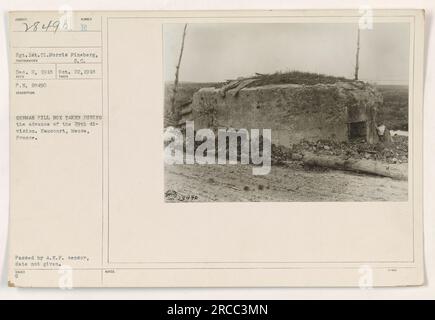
<point x="357" y="130"/>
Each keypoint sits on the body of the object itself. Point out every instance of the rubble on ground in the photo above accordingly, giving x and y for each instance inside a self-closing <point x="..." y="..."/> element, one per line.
<point x="393" y="152"/>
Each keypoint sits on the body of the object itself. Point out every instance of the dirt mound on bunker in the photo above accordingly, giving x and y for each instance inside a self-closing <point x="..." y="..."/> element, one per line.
<point x="295" y="77"/>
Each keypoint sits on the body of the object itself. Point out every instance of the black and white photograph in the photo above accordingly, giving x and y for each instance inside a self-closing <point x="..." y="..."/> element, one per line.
<point x="218" y="153"/>
<point x="283" y="112"/>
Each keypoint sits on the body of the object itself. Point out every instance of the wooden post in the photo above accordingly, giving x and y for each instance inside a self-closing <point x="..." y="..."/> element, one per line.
<point x="357" y="55"/>
<point x="175" y="112"/>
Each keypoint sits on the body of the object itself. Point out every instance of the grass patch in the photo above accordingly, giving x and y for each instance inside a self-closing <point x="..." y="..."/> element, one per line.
<point x="295" y="77"/>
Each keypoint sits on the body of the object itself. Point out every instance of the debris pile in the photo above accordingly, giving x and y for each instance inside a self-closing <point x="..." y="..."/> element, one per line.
<point x="281" y="155"/>
<point x="394" y="152"/>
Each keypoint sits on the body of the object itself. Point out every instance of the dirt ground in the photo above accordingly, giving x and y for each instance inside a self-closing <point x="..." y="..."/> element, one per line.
<point x="227" y="183"/>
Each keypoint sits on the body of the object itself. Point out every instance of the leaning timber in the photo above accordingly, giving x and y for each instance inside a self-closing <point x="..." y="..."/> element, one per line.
<point x="394" y="171"/>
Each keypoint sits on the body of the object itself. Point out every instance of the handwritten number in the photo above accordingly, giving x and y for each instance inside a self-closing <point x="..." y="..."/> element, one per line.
<point x="52" y="25"/>
<point x="33" y="27"/>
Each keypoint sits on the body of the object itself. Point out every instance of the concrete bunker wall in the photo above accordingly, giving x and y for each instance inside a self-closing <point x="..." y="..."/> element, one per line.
<point x="293" y="112"/>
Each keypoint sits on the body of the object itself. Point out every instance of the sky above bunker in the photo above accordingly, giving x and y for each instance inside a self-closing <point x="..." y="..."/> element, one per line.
<point x="218" y="52"/>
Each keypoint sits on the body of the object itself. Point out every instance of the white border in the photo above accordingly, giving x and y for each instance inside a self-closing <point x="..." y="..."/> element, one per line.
<point x="424" y="292"/>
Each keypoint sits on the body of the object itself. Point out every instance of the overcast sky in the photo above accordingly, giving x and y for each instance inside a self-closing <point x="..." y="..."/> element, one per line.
<point x="217" y="52"/>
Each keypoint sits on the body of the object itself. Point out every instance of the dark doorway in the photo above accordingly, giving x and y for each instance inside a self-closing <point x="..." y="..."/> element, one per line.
<point x="357" y="130"/>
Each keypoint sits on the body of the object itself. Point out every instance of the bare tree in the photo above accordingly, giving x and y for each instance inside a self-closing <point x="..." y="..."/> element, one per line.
<point x="177" y="71"/>
<point x="357" y="55"/>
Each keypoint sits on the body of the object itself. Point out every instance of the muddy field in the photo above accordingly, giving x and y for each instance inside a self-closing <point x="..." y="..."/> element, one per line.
<point x="394" y="112"/>
<point x="205" y="183"/>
